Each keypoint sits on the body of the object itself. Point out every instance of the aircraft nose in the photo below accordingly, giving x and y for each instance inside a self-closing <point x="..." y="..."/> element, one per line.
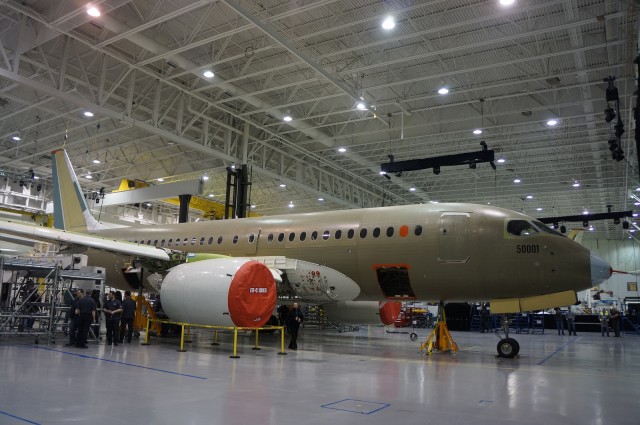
<point x="600" y="270"/>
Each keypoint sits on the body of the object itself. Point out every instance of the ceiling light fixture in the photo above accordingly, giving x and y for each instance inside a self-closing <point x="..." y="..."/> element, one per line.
<point x="585" y="212"/>
<point x="283" y="185"/>
<point x="16" y="138"/>
<point x="551" y="123"/>
<point x="287" y="118"/>
<point x="290" y="204"/>
<point x="361" y="106"/>
<point x="342" y="150"/>
<point x="412" y="189"/>
<point x="389" y="23"/>
<point x="517" y="180"/>
<point x="538" y="209"/>
<point x="506" y="2"/>
<point x="93" y="11"/>
<point x="208" y="74"/>
<point x="320" y="199"/>
<point x="477" y="131"/>
<point x="205" y="177"/>
<point x="160" y="179"/>
<point x="529" y="196"/>
<point x="88" y="114"/>
<point x="382" y="173"/>
<point x="96" y="161"/>
<point x="211" y="195"/>
<point x="501" y="161"/>
<point x="576" y="184"/>
<point x="89" y="176"/>
<point x="443" y="90"/>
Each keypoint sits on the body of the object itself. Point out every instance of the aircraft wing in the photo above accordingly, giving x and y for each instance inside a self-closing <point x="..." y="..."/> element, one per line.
<point x="47" y="234"/>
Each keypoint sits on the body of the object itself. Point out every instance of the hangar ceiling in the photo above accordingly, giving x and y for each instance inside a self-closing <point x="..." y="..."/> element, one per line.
<point x="139" y="68"/>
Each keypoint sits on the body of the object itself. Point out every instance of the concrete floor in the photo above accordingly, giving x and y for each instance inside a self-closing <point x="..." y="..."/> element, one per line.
<point x="367" y="377"/>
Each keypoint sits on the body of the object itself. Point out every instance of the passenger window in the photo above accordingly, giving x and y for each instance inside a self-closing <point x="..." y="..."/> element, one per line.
<point x="210" y="241"/>
<point x="170" y="242"/>
<point x="303" y="236"/>
<point x="252" y="237"/>
<point x="177" y="242"/>
<point x="193" y="241"/>
<point x="202" y="240"/>
<point x="135" y="241"/>
<point x="376" y="232"/>
<point x="418" y="230"/>
<point x="185" y="241"/>
<point x="162" y="242"/>
<point x="363" y="233"/>
<point x="389" y="231"/>
<point x="314" y="235"/>
<point x="350" y="233"/>
<point x="521" y="228"/>
<point x="270" y="238"/>
<point x="155" y="243"/>
<point x="220" y="240"/>
<point x="292" y="237"/>
<point x="235" y="239"/>
<point x="149" y="242"/>
<point x="326" y="235"/>
<point x="338" y="234"/>
<point x="280" y="237"/>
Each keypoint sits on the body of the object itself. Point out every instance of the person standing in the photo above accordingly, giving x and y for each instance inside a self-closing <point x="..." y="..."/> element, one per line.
<point x="86" y="311"/>
<point x="128" y="314"/>
<point x="74" y="319"/>
<point x="571" y="322"/>
<point x="112" y="310"/>
<point x="559" y="323"/>
<point x="615" y="322"/>
<point x="484" y="318"/>
<point x="295" y="319"/>
<point x="604" y="321"/>
<point x="283" y="316"/>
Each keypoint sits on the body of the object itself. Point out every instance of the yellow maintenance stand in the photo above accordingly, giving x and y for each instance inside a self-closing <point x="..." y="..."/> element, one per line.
<point x="440" y="338"/>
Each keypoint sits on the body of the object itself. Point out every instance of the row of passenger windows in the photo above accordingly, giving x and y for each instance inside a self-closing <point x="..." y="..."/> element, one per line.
<point x="338" y="234"/>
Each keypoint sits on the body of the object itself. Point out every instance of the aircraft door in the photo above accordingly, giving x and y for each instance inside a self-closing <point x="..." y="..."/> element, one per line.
<point x="452" y="238"/>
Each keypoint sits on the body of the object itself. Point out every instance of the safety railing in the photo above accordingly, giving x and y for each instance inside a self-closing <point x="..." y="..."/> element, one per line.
<point x="235" y="330"/>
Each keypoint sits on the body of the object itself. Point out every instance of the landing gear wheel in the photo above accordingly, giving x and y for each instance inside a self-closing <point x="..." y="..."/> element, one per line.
<point x="413" y="336"/>
<point x="508" y="348"/>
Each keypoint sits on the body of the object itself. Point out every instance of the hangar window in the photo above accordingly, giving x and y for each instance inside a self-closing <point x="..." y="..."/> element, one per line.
<point x="202" y="240"/>
<point x="376" y="232"/>
<point x="303" y="236"/>
<point x="350" y="233"/>
<point x="220" y="240"/>
<point x="292" y="236"/>
<point x="521" y="228"/>
<point x="338" y="234"/>
<point x="326" y="235"/>
<point x="270" y="238"/>
<point x="210" y="241"/>
<point x="162" y="242"/>
<point x="418" y="230"/>
<point x="314" y="235"/>
<point x="252" y="238"/>
<point x="235" y="239"/>
<point x="280" y="237"/>
<point x="363" y="233"/>
<point x="193" y="241"/>
<point x="389" y="231"/>
<point x="170" y="242"/>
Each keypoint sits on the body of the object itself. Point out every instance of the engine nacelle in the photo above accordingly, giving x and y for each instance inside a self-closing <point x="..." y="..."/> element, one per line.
<point x="363" y="312"/>
<point x="222" y="291"/>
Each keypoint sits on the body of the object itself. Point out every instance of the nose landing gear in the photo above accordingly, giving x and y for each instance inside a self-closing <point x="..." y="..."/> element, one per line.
<point x="507" y="347"/>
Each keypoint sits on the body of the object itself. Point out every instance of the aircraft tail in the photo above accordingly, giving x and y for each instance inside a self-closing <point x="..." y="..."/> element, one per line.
<point x="70" y="209"/>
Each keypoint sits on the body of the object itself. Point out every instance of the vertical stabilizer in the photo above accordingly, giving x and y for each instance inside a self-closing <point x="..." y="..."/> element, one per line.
<point x="70" y="210"/>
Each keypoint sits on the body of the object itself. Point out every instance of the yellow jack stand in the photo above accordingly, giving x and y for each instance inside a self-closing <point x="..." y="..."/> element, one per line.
<point x="440" y="338"/>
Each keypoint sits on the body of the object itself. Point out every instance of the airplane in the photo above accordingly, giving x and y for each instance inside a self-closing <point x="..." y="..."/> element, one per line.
<point x="359" y="263"/>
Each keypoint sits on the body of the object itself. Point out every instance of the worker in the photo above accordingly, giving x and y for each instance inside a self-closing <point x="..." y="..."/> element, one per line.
<point x="128" y="315"/>
<point x="571" y="321"/>
<point x="86" y="311"/>
<point x="295" y="319"/>
<point x="615" y="321"/>
<point x="604" y="321"/>
<point x="74" y="319"/>
<point x="112" y="311"/>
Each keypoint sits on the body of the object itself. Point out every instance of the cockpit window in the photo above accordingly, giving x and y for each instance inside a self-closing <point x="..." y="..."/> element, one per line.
<point x="546" y="228"/>
<point x="521" y="228"/>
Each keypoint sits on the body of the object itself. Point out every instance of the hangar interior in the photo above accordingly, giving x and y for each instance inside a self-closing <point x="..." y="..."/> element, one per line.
<point x="313" y="96"/>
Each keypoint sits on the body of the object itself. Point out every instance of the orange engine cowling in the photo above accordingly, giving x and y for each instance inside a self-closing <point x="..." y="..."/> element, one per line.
<point x="221" y="291"/>
<point x="363" y="312"/>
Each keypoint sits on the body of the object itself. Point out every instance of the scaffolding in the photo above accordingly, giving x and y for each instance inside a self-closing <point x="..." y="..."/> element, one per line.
<point x="34" y="300"/>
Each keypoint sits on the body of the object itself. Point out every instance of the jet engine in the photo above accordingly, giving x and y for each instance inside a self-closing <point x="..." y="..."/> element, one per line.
<point x="221" y="291"/>
<point x="363" y="312"/>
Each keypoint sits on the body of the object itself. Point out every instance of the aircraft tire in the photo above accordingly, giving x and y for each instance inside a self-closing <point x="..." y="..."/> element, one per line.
<point x="413" y="336"/>
<point x="508" y="348"/>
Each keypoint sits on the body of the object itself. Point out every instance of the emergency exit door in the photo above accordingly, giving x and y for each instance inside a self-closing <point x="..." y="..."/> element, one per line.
<point x="453" y="238"/>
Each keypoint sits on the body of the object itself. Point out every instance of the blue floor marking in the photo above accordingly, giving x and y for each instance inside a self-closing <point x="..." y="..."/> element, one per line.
<point x="384" y="405"/>
<point x="18" y="418"/>
<point x="121" y="363"/>
<point x="543" y="361"/>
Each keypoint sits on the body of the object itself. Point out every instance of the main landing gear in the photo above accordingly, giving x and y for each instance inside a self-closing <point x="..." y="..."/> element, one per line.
<point x="507" y="347"/>
<point x="440" y="338"/>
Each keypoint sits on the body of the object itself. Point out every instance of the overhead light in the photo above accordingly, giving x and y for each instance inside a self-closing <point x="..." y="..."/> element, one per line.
<point x="93" y="11"/>
<point x="517" y="180"/>
<point x="283" y="185"/>
<point x="205" y="177"/>
<point x="591" y="228"/>
<point x="506" y="2"/>
<point x="287" y="118"/>
<point x="361" y="106"/>
<point x="253" y="207"/>
<point x="320" y="199"/>
<point x="290" y="204"/>
<point x="388" y="23"/>
<point x="435" y="202"/>
<point x="96" y="161"/>
<point x="382" y="173"/>
<point x="529" y="196"/>
<point x="36" y="177"/>
<point x="576" y="184"/>
<point x="538" y="209"/>
<point x="501" y="161"/>
<point x="148" y="204"/>
<point x="211" y="195"/>
<point x="412" y="189"/>
<point x="636" y="203"/>
<point x="477" y="131"/>
<point x="89" y="176"/>
<point x="632" y="230"/>
<point x="160" y="179"/>
<point x="342" y="150"/>
<point x="635" y="214"/>
<point x="551" y="123"/>
<point x="585" y="212"/>
<point x="16" y="138"/>
<point x="208" y="73"/>
<point x="87" y="114"/>
<point x="443" y="90"/>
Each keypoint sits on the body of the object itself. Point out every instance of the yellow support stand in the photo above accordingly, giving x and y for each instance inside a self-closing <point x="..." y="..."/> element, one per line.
<point x="215" y="338"/>
<point x="256" y="346"/>
<point x="181" y="350"/>
<point x="440" y="338"/>
<point x="235" y="344"/>
<point x="282" y="352"/>
<point x="146" y="335"/>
